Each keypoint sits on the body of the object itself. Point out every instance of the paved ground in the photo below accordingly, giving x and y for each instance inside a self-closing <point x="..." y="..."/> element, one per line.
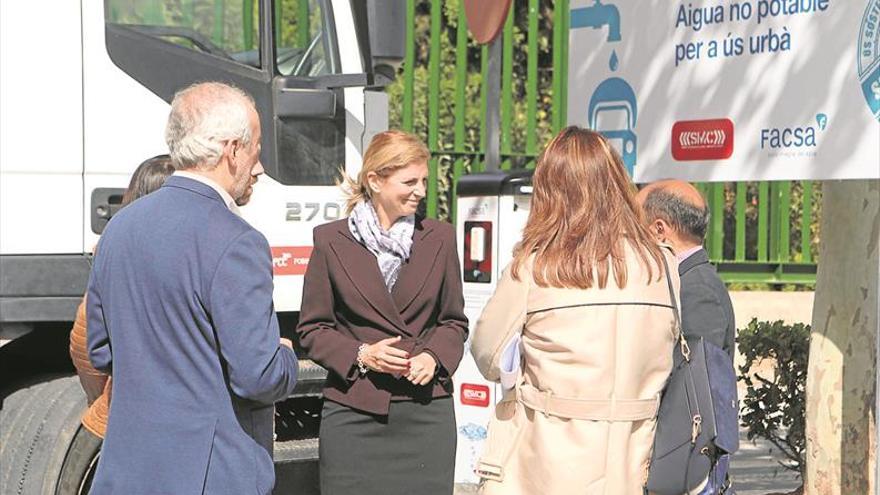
<point x="756" y="471"/>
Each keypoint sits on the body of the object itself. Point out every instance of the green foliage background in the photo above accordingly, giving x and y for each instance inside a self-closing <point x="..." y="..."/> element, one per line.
<point x="774" y="406"/>
<point x="473" y="111"/>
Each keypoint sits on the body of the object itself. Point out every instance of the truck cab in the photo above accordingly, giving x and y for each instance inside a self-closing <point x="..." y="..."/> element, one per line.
<point x="84" y="88"/>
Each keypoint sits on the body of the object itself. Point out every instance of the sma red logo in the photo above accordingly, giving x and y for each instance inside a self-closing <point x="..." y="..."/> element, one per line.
<point x="474" y="395"/>
<point x="702" y="140"/>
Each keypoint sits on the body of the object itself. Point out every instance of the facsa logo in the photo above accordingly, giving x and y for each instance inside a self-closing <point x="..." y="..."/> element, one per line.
<point x="794" y="137"/>
<point x="474" y="395"/>
<point x="702" y="140"/>
<point x="290" y="260"/>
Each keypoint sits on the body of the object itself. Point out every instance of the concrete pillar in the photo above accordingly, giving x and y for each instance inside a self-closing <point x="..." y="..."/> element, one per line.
<point x="842" y="377"/>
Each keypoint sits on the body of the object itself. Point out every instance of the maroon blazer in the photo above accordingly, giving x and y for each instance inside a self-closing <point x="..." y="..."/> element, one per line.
<point x="345" y="303"/>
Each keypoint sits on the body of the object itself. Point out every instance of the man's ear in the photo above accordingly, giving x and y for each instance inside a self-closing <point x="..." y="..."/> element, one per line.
<point x="659" y="227"/>
<point x="237" y="147"/>
<point x="230" y="150"/>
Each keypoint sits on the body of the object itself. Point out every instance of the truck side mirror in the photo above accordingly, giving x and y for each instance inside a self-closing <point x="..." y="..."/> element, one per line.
<point x="382" y="27"/>
<point x="388" y="43"/>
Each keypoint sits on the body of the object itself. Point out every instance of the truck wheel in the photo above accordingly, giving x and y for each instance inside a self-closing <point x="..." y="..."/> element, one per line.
<point x="80" y="464"/>
<point x="41" y="439"/>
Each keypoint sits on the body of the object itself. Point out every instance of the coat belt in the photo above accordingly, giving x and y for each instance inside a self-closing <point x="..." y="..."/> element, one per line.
<point x="588" y="409"/>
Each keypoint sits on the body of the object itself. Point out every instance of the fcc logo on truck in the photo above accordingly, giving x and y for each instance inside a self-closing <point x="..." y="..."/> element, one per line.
<point x="702" y="140"/>
<point x="290" y="260"/>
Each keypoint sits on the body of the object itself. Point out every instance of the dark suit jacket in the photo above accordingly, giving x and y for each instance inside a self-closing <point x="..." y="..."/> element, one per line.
<point x="706" y="310"/>
<point x="345" y="303"/>
<point x="180" y="311"/>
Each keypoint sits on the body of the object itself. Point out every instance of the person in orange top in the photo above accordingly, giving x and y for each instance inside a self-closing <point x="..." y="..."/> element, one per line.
<point x="149" y="176"/>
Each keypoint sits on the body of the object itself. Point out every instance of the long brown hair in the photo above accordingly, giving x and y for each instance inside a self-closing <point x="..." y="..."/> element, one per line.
<point x="388" y="151"/>
<point x="583" y="214"/>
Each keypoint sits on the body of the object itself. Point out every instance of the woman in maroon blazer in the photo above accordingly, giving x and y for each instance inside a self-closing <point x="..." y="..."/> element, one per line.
<point x="383" y="311"/>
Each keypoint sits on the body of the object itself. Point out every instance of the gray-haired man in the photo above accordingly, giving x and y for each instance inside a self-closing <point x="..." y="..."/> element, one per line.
<point x="180" y="312"/>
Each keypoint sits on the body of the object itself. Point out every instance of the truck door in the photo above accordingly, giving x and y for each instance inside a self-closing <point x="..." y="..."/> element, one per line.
<point x="307" y="63"/>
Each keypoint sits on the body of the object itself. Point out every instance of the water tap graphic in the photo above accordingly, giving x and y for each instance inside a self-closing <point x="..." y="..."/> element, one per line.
<point x="596" y="16"/>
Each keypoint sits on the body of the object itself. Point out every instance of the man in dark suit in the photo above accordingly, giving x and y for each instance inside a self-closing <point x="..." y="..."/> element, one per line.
<point x="180" y="312"/>
<point x="678" y="216"/>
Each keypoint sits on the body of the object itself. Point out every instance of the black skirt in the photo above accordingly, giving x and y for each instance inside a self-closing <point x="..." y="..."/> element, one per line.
<point x="410" y="451"/>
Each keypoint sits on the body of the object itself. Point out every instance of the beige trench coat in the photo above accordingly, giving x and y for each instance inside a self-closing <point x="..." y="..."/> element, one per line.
<point x="581" y="420"/>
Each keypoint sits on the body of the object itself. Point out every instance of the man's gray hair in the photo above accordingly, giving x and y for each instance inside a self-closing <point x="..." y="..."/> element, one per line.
<point x="688" y="219"/>
<point x="203" y="118"/>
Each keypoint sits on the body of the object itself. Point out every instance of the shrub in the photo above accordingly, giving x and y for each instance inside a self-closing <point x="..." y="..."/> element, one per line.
<point x="773" y="407"/>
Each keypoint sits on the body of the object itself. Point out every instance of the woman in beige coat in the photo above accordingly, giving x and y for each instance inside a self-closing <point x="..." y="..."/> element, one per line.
<point x="589" y="294"/>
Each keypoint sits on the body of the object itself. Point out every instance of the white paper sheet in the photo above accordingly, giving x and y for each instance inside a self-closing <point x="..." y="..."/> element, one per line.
<point x="510" y="362"/>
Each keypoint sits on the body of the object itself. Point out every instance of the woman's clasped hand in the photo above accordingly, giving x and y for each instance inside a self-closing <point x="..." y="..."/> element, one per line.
<point x="422" y="368"/>
<point x="383" y="357"/>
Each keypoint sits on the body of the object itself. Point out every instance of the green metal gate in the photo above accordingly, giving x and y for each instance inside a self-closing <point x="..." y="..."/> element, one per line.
<point x="762" y="233"/>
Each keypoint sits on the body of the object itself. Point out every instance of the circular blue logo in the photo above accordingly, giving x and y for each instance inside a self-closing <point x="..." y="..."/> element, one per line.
<point x="869" y="56"/>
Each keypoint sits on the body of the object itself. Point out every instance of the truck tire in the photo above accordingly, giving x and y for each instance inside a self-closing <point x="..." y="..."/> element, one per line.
<point x="80" y="464"/>
<point x="39" y="425"/>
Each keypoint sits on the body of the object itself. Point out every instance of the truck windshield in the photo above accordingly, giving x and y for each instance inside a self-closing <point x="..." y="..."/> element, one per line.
<point x="224" y="28"/>
<point x="230" y="29"/>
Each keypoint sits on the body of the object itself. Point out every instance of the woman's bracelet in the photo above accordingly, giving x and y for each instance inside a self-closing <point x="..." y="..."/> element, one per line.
<point x="362" y="353"/>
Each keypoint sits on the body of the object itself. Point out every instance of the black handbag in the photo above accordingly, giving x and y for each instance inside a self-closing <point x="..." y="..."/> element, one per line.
<point x="688" y="438"/>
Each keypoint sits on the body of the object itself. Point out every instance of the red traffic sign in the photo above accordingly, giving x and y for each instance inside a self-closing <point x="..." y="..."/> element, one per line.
<point x="485" y="18"/>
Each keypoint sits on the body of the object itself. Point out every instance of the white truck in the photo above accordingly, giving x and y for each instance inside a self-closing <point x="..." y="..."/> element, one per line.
<point x="84" y="91"/>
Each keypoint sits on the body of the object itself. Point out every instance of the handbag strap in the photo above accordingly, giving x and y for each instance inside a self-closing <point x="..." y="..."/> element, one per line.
<point x="686" y="354"/>
<point x="685" y="349"/>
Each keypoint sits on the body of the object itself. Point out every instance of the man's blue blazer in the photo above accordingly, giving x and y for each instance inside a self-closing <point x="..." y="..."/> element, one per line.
<point x="180" y="312"/>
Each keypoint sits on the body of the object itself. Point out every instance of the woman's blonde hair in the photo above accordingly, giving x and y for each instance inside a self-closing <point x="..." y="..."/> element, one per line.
<point x="583" y="214"/>
<point x="387" y="152"/>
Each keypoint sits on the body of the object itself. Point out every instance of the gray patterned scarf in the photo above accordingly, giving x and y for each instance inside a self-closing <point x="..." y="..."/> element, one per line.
<point x="391" y="247"/>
